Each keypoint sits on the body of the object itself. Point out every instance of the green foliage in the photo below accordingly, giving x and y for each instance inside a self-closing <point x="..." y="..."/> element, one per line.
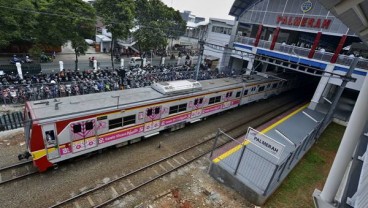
<point x="117" y="15"/>
<point x="15" y="23"/>
<point x="72" y="20"/>
<point x="156" y="23"/>
<point x="46" y="22"/>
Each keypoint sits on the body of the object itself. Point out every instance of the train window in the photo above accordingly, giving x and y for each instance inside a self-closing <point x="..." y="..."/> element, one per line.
<point x="182" y="107"/>
<point x="89" y="125"/>
<point x="214" y="100"/>
<point x="173" y="109"/>
<point x="178" y="108"/>
<point x="211" y="101"/>
<point x="245" y="92"/>
<point x="238" y="94"/>
<point x="274" y="85"/>
<point x="261" y="89"/>
<point x="115" y="123"/>
<point x="229" y="94"/>
<point x="217" y="99"/>
<point x="200" y="100"/>
<point x="50" y="137"/>
<point x="253" y="89"/>
<point x="196" y="101"/>
<point x="269" y="85"/>
<point x="157" y="110"/>
<point x="77" y="128"/>
<point x="127" y="120"/>
<point x="149" y="112"/>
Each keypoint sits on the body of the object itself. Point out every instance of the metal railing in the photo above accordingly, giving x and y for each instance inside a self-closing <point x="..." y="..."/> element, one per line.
<point x="303" y="52"/>
<point x="10" y="121"/>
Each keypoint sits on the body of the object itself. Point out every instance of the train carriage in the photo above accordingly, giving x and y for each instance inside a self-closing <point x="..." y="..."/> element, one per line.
<point x="63" y="128"/>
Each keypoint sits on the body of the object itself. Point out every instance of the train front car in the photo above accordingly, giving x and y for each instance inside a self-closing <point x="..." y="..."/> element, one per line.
<point x="34" y="140"/>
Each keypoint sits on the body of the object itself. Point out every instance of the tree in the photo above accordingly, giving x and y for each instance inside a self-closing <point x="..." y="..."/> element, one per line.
<point x="16" y="23"/>
<point x="65" y="20"/>
<point x="117" y="16"/>
<point x="156" y="23"/>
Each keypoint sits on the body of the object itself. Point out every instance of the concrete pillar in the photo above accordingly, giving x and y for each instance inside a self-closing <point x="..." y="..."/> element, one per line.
<point x="264" y="67"/>
<point x="338" y="49"/>
<point x="163" y="61"/>
<point x="144" y="62"/>
<point x="178" y="61"/>
<point x="121" y="62"/>
<point x="326" y="91"/>
<point x="95" y="65"/>
<point x="61" y="65"/>
<point x="345" y="152"/>
<point x="19" y="69"/>
<point x="275" y="35"/>
<point x="321" y="87"/>
<point x="315" y="44"/>
<point x="258" y="36"/>
<point x="251" y="59"/>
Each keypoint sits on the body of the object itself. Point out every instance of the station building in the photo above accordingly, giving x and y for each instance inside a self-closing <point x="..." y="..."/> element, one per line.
<point x="302" y="36"/>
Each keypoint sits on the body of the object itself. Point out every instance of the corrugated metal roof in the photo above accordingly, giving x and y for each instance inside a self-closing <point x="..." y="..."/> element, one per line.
<point x="239" y="6"/>
<point x="351" y="13"/>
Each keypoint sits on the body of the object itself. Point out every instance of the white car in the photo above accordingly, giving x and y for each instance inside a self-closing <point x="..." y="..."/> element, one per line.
<point x="135" y="61"/>
<point x="89" y="41"/>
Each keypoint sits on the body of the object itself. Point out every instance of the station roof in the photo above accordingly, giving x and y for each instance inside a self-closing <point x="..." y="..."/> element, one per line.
<point x="239" y="6"/>
<point x="352" y="13"/>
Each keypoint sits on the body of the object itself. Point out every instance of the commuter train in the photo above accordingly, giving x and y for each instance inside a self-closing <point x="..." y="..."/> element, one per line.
<point x="63" y="128"/>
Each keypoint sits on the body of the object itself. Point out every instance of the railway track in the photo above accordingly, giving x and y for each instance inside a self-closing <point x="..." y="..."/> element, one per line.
<point x="16" y="172"/>
<point x="123" y="185"/>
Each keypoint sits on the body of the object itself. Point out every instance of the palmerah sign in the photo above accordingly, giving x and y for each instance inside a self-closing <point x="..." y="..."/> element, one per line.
<point x="304" y="22"/>
<point x="264" y="142"/>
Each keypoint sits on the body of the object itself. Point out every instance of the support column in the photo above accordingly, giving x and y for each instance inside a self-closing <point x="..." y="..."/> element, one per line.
<point x="338" y="49"/>
<point x="121" y="63"/>
<point x="274" y="38"/>
<point x="258" y="36"/>
<point x="19" y="69"/>
<point x="315" y="44"/>
<point x="179" y="61"/>
<point x="345" y="152"/>
<point x="163" y="61"/>
<point x="144" y="62"/>
<point x="251" y="60"/>
<point x="61" y="65"/>
<point x="320" y="88"/>
<point x="95" y="65"/>
<point x="264" y="67"/>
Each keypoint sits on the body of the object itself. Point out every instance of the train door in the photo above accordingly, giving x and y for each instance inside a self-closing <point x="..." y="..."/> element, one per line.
<point x="152" y="118"/>
<point x="83" y="135"/>
<point x="50" y="140"/>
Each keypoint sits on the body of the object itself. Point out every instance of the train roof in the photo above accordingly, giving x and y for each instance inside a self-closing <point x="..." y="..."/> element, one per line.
<point x="122" y="99"/>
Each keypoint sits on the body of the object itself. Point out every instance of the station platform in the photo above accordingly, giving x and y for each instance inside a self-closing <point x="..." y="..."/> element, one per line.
<point x="257" y="163"/>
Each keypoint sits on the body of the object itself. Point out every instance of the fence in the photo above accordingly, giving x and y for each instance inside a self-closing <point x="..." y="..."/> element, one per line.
<point x="10" y="121"/>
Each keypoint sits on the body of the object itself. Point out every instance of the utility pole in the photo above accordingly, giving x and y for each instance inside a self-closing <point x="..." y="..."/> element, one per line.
<point x="200" y="55"/>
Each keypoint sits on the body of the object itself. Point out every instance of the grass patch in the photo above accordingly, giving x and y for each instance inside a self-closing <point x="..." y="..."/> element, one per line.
<point x="310" y="173"/>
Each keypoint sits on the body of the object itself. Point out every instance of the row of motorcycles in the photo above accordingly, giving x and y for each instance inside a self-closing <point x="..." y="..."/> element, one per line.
<point x="20" y="94"/>
<point x="27" y="60"/>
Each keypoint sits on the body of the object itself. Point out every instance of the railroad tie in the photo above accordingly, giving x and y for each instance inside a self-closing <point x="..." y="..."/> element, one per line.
<point x="170" y="164"/>
<point x="123" y="186"/>
<point x="114" y="192"/>
<point x="90" y="201"/>
<point x="176" y="161"/>
<point x="163" y="167"/>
